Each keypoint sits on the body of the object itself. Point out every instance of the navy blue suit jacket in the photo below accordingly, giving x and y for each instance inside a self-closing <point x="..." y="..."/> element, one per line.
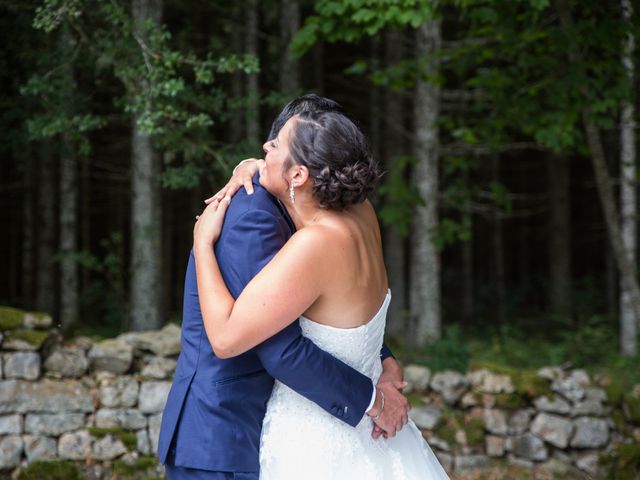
<point x="216" y="406"/>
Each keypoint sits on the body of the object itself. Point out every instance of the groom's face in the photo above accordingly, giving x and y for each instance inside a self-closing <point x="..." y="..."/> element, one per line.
<point x="272" y="176"/>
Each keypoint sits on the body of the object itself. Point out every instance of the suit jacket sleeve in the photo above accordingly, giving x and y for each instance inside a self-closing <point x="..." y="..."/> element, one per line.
<point x="385" y="352"/>
<point x="289" y="356"/>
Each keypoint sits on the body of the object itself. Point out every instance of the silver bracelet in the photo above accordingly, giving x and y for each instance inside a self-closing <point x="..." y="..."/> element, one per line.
<point x="381" y="407"/>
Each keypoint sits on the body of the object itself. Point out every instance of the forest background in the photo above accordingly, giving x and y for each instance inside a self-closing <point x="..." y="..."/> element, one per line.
<point x="507" y="130"/>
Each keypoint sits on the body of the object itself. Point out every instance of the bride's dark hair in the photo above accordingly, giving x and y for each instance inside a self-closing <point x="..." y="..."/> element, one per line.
<point x="335" y="152"/>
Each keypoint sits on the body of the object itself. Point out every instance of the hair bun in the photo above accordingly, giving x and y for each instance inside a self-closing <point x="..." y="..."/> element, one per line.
<point x="336" y="154"/>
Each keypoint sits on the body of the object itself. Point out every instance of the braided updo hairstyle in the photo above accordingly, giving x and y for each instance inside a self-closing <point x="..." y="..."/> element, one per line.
<point x="335" y="151"/>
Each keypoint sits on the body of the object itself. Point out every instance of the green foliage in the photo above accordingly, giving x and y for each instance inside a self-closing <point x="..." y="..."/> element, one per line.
<point x="174" y="94"/>
<point x="336" y="20"/>
<point x="448" y="353"/>
<point x="400" y="199"/>
<point x="622" y="462"/>
<point x="50" y="470"/>
<point x="10" y="318"/>
<point x="107" y="295"/>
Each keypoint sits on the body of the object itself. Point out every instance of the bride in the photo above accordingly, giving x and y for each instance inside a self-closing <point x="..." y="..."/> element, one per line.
<point x="331" y="275"/>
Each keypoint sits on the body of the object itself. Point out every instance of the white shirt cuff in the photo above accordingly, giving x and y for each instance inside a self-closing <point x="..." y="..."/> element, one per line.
<point x="373" y="400"/>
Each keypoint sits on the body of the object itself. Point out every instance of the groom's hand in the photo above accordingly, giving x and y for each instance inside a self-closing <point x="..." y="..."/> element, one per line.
<point x="391" y="409"/>
<point x="391" y="372"/>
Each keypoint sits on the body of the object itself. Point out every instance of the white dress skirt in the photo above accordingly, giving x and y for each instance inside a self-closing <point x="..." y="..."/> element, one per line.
<point x="301" y="440"/>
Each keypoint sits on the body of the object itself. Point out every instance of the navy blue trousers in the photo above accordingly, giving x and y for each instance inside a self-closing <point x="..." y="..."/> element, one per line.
<point x="183" y="473"/>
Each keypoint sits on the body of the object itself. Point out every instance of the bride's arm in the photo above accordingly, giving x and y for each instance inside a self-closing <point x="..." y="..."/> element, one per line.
<point x="283" y="290"/>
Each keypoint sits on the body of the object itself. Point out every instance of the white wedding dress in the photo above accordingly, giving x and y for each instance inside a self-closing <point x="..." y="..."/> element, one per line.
<point x="301" y="440"/>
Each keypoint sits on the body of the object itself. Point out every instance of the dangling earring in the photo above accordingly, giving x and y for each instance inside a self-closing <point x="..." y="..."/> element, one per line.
<point x="292" y="193"/>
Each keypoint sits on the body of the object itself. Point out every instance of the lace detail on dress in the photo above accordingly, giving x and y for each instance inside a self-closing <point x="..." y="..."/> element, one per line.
<point x="301" y="440"/>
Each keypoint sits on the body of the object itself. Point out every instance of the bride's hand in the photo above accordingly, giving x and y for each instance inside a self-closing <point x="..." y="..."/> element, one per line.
<point x="242" y="177"/>
<point x="209" y="224"/>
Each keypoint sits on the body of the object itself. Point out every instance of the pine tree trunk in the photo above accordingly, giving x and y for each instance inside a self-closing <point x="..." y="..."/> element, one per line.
<point x="317" y="54"/>
<point x="235" y="126"/>
<point x="559" y="235"/>
<point x="28" y="231"/>
<point x="624" y="261"/>
<point x="69" y="300"/>
<point x="45" y="297"/>
<point x="146" y="207"/>
<point x="394" y="243"/>
<point x="253" y="89"/>
<point x="628" y="186"/>
<point x="497" y="235"/>
<point x="290" y="66"/>
<point x="468" y="300"/>
<point x="425" y="267"/>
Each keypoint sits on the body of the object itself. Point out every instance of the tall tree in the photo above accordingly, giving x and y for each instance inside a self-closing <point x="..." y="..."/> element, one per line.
<point x="290" y="66"/>
<point x="559" y="234"/>
<point x="425" y="266"/>
<point x="68" y="204"/>
<point x="46" y="221"/>
<point x="146" y="205"/>
<point x="253" y="89"/>
<point x="394" y="241"/>
<point x="622" y="255"/>
<point x="628" y="185"/>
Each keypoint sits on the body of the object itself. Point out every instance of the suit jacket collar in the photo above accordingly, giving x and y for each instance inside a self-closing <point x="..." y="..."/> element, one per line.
<point x="285" y="214"/>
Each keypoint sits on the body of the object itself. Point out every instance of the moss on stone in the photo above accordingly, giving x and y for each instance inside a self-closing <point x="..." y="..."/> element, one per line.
<point x="32" y="337"/>
<point x="11" y="318"/>
<point x="622" y="463"/>
<point x="531" y="385"/>
<point x="509" y="401"/>
<point x="615" y="393"/>
<point x="51" y="470"/>
<point x="137" y="469"/>
<point x="474" y="431"/>
<point x="415" y="399"/>
<point x="445" y="432"/>
<point x="129" y="439"/>
<point x="526" y="382"/>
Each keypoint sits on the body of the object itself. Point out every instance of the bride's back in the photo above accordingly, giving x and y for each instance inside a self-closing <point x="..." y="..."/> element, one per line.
<point x="358" y="279"/>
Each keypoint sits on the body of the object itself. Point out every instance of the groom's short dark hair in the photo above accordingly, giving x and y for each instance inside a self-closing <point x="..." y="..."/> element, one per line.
<point x="306" y="103"/>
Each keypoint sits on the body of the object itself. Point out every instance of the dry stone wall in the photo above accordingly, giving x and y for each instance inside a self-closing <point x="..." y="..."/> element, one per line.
<point x="99" y="404"/>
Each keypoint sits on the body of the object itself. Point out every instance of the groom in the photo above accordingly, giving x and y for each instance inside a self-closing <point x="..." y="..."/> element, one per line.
<point x="213" y="416"/>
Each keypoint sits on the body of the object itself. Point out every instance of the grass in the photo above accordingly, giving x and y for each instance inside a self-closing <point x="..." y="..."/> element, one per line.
<point x="51" y="470"/>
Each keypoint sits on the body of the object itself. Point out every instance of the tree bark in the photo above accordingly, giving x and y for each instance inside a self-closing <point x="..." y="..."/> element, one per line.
<point x="253" y="89"/>
<point x="497" y="235"/>
<point x="623" y="259"/>
<point x="45" y="297"/>
<point x="468" y="298"/>
<point x="146" y="207"/>
<point x="68" y="215"/>
<point x="317" y="54"/>
<point x="28" y="231"/>
<point x="628" y="186"/>
<point x="395" y="245"/>
<point x="235" y="125"/>
<point x="559" y="235"/>
<point x="425" y="267"/>
<point x="290" y="66"/>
